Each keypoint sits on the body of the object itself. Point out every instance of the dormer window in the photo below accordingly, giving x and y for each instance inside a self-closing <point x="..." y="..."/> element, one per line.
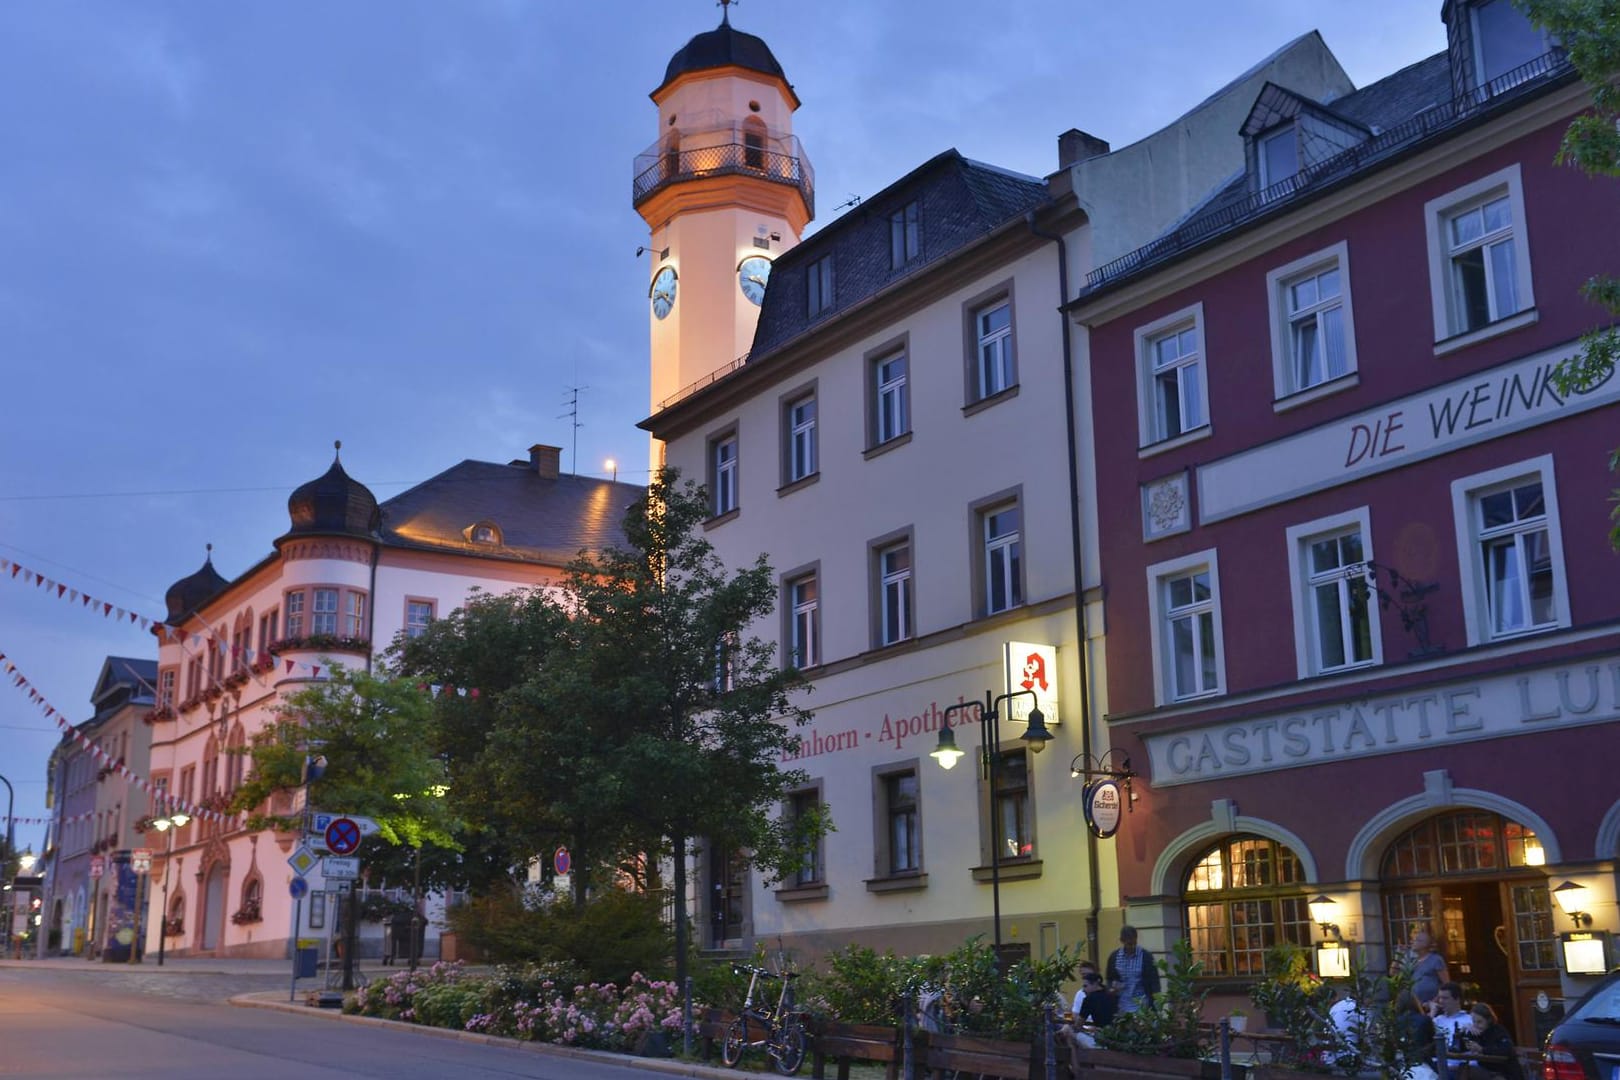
<point x="1504" y="40"/>
<point x="484" y="532"/>
<point x="1278" y="154"/>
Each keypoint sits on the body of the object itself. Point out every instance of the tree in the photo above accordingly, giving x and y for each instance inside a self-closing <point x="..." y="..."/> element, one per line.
<point x="1589" y="31"/>
<point x="701" y="715"/>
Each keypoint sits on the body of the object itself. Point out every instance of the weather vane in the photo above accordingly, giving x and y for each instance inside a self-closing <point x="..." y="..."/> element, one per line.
<point x="725" y="11"/>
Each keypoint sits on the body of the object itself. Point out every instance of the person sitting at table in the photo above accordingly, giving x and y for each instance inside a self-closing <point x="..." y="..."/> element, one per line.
<point x="1450" y="1020"/>
<point x="1486" y="1036"/>
<point x="1414" y="1031"/>
<point x="1094" y="1005"/>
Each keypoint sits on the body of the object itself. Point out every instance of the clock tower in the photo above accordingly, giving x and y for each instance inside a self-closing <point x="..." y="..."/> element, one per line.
<point x="724" y="190"/>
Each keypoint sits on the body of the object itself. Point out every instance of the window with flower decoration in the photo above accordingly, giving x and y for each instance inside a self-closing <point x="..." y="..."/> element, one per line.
<point x="1242" y="896"/>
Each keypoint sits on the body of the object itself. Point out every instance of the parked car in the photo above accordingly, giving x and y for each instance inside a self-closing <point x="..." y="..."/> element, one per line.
<point x="1586" y="1045"/>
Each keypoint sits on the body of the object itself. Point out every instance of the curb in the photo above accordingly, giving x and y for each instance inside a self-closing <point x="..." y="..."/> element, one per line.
<point x="666" y="1066"/>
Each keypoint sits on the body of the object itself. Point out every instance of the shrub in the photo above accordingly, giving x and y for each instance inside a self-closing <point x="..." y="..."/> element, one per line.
<point x="617" y="933"/>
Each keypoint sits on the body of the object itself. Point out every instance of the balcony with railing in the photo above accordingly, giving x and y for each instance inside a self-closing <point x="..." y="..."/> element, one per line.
<point x="733" y="152"/>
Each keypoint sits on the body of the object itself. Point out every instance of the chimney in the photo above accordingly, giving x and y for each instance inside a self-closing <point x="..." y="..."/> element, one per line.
<point x="546" y="460"/>
<point x="1075" y="146"/>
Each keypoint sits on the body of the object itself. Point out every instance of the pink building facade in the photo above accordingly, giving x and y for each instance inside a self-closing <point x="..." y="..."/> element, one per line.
<point x="1363" y="619"/>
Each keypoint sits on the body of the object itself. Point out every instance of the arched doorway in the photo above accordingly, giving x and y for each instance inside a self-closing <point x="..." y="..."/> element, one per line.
<point x="1473" y="880"/>
<point x="213" y="908"/>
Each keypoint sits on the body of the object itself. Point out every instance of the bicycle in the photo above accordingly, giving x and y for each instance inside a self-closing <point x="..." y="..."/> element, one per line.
<point x="781" y="1026"/>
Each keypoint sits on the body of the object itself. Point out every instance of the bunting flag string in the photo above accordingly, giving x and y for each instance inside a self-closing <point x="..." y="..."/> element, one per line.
<point x="108" y="763"/>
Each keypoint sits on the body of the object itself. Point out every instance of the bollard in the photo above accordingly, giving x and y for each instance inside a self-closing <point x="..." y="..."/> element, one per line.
<point x="1048" y="1029"/>
<point x="686" y="1017"/>
<point x="1226" y="1049"/>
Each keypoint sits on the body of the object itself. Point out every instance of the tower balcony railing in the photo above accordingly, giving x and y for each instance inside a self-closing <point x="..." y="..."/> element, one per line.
<point x="658" y="167"/>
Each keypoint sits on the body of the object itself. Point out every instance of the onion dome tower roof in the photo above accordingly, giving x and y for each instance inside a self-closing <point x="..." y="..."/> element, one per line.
<point x="190" y="593"/>
<point x="722" y="47"/>
<point x="334" y="503"/>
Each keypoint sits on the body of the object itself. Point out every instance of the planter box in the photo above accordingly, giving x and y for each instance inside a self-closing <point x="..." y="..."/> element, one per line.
<point x="848" y="1043"/>
<point x="1117" y="1065"/>
<point x="986" y="1057"/>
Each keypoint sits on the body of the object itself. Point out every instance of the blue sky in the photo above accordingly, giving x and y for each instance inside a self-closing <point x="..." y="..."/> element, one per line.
<point x="231" y="233"/>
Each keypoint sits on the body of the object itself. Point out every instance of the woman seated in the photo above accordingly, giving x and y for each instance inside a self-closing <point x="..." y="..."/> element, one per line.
<point x="1492" y="1040"/>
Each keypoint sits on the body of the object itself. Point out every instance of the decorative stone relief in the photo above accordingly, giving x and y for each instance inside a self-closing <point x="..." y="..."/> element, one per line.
<point x="1166" y="509"/>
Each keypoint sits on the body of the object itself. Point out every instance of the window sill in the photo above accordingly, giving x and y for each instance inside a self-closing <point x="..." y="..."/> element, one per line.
<point x="721" y="519"/>
<point x="798" y="894"/>
<point x="1317" y="392"/>
<point x="798" y="485"/>
<point x="884" y="447"/>
<point x="1011" y="870"/>
<point x="994" y="399"/>
<point x="1170" y="444"/>
<point x="897" y="883"/>
<point x="1527" y="317"/>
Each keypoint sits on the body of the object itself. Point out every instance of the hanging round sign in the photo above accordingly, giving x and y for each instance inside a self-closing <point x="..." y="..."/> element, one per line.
<point x="1103" y="805"/>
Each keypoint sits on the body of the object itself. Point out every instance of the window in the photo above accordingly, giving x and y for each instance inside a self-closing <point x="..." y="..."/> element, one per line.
<point x="1242" y="897"/>
<point x="1188" y="655"/>
<point x="1170" y="362"/>
<point x="166" y="686"/>
<point x="295" y="614"/>
<point x="1012" y="797"/>
<point x="799" y="453"/>
<point x="354" y="615"/>
<point x="894" y="586"/>
<point x="1312" y="334"/>
<point x="323" y="612"/>
<point x="725" y="663"/>
<point x="803" y="806"/>
<point x="484" y="532"/>
<point x="268" y="624"/>
<point x="891" y="411"/>
<point x="804" y="622"/>
<point x="1508" y="520"/>
<point x="904" y="838"/>
<point x="1001" y="557"/>
<point x="1504" y="40"/>
<point x="993" y="328"/>
<point x="904" y="242"/>
<point x="1335" y="617"/>
<point x="754" y="143"/>
<point x="1278" y="153"/>
<point x="1479" y="258"/>
<point x="819" y="276"/>
<point x="723" y="473"/>
<point x="418" y="616"/>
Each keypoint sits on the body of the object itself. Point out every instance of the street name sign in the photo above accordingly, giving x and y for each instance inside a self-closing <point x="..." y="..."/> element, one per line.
<point x="336" y="868"/>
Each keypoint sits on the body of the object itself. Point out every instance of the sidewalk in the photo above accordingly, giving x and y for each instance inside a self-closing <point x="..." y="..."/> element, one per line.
<point x="183" y="965"/>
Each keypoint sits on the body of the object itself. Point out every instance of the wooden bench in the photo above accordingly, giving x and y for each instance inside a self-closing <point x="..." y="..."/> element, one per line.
<point x="939" y="1055"/>
<point x="849" y="1043"/>
<point x="709" y="1030"/>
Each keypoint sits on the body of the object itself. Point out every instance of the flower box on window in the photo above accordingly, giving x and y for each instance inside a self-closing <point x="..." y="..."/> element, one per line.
<point x="213" y="693"/>
<point x="157" y="716"/>
<point x="248" y="913"/>
<point x="191" y="703"/>
<point x="322" y="643"/>
<point x="265" y="664"/>
<point x="174" y="927"/>
<point x="236" y="680"/>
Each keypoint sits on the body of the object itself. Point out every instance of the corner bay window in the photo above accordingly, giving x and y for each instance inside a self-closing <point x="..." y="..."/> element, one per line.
<point x="1243" y="896"/>
<point x="324" y="610"/>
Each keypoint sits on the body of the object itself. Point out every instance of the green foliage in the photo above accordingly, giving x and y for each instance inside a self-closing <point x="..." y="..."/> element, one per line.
<point x="451" y="1004"/>
<point x="616" y="934"/>
<point x="1168" y="1027"/>
<point x="1293" y="997"/>
<point x="859" y="986"/>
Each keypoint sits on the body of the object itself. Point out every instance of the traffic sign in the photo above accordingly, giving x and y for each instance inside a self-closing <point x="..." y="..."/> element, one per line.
<point x="302" y="860"/>
<point x="335" y="868"/>
<point x="98" y="865"/>
<point x="297" y="887"/>
<point x="561" y="862"/>
<point x="342" y="836"/>
<point x="320" y="821"/>
<point x="140" y="860"/>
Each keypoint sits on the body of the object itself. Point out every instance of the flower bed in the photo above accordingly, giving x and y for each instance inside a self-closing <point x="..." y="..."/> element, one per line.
<point x="540" y="1003"/>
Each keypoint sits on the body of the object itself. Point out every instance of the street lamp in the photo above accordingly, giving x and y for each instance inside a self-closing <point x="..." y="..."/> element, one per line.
<point x="11" y="821"/>
<point x="947" y="753"/>
<point x="167" y="826"/>
<point x="613" y="466"/>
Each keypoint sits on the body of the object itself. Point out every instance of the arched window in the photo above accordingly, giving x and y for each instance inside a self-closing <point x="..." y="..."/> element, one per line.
<point x="754" y="143"/>
<point x="672" y="156"/>
<point x="1242" y="896"/>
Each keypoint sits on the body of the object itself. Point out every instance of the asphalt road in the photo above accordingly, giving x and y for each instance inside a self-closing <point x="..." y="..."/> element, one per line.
<point x="87" y="1025"/>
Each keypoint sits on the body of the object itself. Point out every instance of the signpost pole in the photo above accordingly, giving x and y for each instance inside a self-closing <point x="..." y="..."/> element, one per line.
<point x="135" y="938"/>
<point x="298" y="921"/>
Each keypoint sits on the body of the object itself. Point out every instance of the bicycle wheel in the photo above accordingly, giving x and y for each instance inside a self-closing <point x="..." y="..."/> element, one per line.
<point x="731" y="1050"/>
<point x="789" y="1048"/>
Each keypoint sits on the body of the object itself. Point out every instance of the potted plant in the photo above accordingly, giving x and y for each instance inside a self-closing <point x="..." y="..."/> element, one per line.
<point x="1238" y="1020"/>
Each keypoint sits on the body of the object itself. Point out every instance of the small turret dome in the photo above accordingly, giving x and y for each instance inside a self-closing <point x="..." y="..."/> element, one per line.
<point x="334" y="503"/>
<point x="722" y="47"/>
<point x="190" y="593"/>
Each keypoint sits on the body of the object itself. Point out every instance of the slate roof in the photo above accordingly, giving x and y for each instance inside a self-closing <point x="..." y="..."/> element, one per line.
<point x="1404" y="111"/>
<point x="959" y="201"/>
<point x="540" y="519"/>
<point x="722" y="47"/>
<point x="124" y="679"/>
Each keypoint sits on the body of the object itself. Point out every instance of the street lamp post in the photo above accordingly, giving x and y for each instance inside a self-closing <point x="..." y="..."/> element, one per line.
<point x="167" y="826"/>
<point x="11" y="824"/>
<point x="1036" y="736"/>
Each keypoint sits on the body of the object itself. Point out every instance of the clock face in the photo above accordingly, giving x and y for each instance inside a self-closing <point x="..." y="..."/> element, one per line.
<point x="663" y="291"/>
<point x="752" y="274"/>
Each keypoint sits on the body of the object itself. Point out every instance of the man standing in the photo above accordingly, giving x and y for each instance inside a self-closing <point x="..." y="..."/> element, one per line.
<point x="1132" y="974"/>
<point x="1427" y="968"/>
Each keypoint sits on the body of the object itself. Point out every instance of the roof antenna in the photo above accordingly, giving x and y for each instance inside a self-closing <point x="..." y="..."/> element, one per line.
<point x="572" y="416"/>
<point x="725" y="11"/>
<point x="853" y="200"/>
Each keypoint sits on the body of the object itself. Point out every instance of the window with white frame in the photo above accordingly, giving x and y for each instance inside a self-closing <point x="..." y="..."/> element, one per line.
<point x="167" y="678"/>
<point x="723" y="473"/>
<point x="1479" y="257"/>
<point x="1278" y="153"/>
<point x="354" y="615"/>
<point x="993" y="326"/>
<point x="800" y="457"/>
<point x="323" y="611"/>
<point x="1001" y="533"/>
<point x="891" y="413"/>
<point x="1312" y="328"/>
<point x="1189" y="658"/>
<point x="804" y="622"/>
<point x="1508" y="520"/>
<point x="418" y="617"/>
<point x="295" y="614"/>
<point x="1170" y="358"/>
<point x="894" y="587"/>
<point x="1335" y="607"/>
<point x="904" y="239"/>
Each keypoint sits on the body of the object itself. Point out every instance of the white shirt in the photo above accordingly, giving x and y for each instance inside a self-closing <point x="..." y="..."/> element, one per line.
<point x="1446" y="1025"/>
